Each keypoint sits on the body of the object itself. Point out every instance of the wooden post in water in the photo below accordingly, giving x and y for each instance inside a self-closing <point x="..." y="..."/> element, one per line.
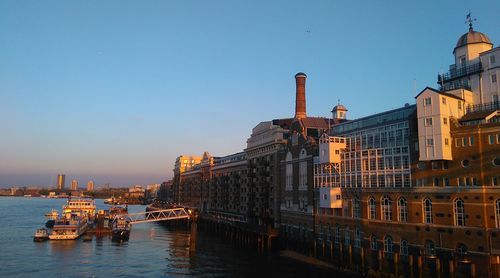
<point x="192" y="238"/>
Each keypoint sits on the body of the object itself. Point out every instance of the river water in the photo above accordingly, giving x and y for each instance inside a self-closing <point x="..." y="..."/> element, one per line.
<point x="152" y="251"/>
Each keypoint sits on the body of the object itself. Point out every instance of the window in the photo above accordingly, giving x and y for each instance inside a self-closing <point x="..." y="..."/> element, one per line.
<point x="445" y="121"/>
<point x="404" y="247"/>
<point x="427" y="101"/>
<point x="459" y="105"/>
<point x="347" y="237"/>
<point x="337" y="235"/>
<point x="388" y="244"/>
<point x="428" y="121"/>
<point x="496" y="161"/>
<point x="464" y="141"/>
<point x="465" y="163"/>
<point x="497" y="212"/>
<point x="373" y="243"/>
<point x="491" y="139"/>
<point x="492" y="59"/>
<point x="357" y="238"/>
<point x="430" y="249"/>
<point x="356" y="208"/>
<point x="471" y="140"/>
<point x="493" y="78"/>
<point x="446" y="141"/>
<point x="386" y="208"/>
<point x="427" y="205"/>
<point x="457" y="142"/>
<point x="459" y="212"/>
<point x="303" y="169"/>
<point x="462" y="249"/>
<point x="443" y="100"/>
<point x="289" y="172"/>
<point x="430" y="142"/>
<point x="494" y="181"/>
<point x="402" y="210"/>
<point x="372" y="212"/>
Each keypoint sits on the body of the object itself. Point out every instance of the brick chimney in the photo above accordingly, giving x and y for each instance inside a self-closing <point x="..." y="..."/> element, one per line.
<point x="300" y="96"/>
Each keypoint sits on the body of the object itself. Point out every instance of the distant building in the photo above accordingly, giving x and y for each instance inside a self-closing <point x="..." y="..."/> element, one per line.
<point x="74" y="185"/>
<point x="90" y="185"/>
<point x="136" y="191"/>
<point x="61" y="180"/>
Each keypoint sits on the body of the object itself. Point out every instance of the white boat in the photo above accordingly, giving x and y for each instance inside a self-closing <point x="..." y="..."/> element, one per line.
<point x="76" y="205"/>
<point x="70" y="226"/>
<point x="41" y="235"/>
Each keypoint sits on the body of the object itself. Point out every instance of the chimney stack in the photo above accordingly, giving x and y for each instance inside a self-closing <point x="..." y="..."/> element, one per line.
<point x="300" y="96"/>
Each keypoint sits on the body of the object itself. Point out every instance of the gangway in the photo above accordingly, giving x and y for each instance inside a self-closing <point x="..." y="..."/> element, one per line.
<point x="156" y="215"/>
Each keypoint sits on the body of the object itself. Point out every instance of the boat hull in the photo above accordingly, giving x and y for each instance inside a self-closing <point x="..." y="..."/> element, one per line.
<point x="120" y="235"/>
<point x="40" y="239"/>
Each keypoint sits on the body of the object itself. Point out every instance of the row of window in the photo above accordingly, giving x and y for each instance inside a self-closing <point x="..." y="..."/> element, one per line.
<point x="428" y="102"/>
<point x="388" y="243"/>
<point x="428" y="121"/>
<point x="402" y="210"/>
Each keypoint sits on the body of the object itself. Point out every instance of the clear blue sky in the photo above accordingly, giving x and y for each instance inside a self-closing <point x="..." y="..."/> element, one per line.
<point x="115" y="90"/>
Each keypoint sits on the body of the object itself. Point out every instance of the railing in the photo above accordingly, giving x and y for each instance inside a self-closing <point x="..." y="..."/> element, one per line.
<point x="156" y="215"/>
<point x="455" y="73"/>
<point x="491" y="106"/>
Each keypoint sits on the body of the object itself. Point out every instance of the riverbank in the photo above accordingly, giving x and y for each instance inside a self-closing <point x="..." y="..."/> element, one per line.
<point x="296" y="256"/>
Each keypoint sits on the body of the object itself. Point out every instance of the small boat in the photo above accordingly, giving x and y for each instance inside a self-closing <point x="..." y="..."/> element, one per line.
<point x="51" y="218"/>
<point x="121" y="228"/>
<point x="41" y="234"/>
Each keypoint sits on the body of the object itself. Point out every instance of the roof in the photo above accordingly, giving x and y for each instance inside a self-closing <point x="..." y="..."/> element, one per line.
<point x="339" y="107"/>
<point x="438" y="92"/>
<point x="317" y="122"/>
<point x="480" y="115"/>
<point x="472" y="37"/>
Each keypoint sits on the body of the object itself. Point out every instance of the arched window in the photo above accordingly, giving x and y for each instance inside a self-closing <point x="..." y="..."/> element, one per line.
<point x="402" y="210"/>
<point x="386" y="208"/>
<point x="462" y="249"/>
<point x="427" y="208"/>
<point x="356" y="208"/>
<point x="357" y="238"/>
<point x="373" y="243"/>
<point x="430" y="249"/>
<point x="404" y="248"/>
<point x="388" y="244"/>
<point x="303" y="169"/>
<point x="372" y="208"/>
<point x="347" y="237"/>
<point x="289" y="172"/>
<point x="497" y="212"/>
<point x="459" y="210"/>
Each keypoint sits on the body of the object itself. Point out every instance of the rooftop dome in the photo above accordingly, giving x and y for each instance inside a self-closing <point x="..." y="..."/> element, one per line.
<point x="300" y="74"/>
<point x="339" y="107"/>
<point x="472" y="37"/>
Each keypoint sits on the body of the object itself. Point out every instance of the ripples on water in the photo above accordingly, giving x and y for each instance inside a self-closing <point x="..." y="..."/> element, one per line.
<point x="152" y="251"/>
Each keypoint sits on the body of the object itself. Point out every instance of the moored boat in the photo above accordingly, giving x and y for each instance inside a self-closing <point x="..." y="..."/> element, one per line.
<point x="70" y="226"/>
<point x="121" y="228"/>
<point x="84" y="205"/>
<point x="41" y="234"/>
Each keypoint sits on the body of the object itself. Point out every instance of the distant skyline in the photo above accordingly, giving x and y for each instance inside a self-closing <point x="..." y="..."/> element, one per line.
<point x="114" y="91"/>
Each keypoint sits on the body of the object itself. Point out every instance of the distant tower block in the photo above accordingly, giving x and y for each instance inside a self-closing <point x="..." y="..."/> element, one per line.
<point x="61" y="179"/>
<point x="90" y="186"/>
<point x="74" y="185"/>
<point x="300" y="96"/>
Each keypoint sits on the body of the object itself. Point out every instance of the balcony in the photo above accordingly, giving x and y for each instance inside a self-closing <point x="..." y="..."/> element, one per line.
<point x="456" y="73"/>
<point x="485" y="107"/>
